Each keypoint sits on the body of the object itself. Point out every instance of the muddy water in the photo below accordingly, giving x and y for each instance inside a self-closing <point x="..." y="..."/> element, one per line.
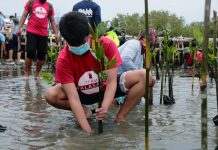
<point x="33" y="124"/>
<point x="178" y="127"/>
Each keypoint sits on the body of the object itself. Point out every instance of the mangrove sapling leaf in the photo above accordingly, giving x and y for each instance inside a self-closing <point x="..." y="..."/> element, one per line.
<point x="169" y="52"/>
<point x="101" y="29"/>
<point x="47" y="77"/>
<point x="198" y="35"/>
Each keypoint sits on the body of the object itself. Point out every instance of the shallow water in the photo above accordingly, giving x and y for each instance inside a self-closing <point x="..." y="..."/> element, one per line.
<point x="179" y="126"/>
<point x="33" y="124"/>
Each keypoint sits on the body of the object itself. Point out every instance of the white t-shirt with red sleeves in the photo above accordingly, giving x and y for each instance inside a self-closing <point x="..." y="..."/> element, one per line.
<point x="38" y="21"/>
<point x="71" y="68"/>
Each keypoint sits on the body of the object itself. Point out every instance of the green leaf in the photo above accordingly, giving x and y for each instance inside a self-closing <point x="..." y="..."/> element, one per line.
<point x="49" y="53"/>
<point x="198" y="35"/>
<point x="47" y="77"/>
<point x="102" y="29"/>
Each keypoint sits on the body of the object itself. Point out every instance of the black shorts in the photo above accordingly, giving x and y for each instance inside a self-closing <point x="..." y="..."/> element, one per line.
<point x="13" y="43"/>
<point x="89" y="100"/>
<point x="36" y="46"/>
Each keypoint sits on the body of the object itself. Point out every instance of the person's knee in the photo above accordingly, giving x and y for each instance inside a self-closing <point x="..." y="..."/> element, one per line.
<point x="50" y="96"/>
<point x="141" y="75"/>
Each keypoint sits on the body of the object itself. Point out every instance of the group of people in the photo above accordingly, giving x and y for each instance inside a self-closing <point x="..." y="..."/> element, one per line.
<point x="13" y="41"/>
<point x="76" y="79"/>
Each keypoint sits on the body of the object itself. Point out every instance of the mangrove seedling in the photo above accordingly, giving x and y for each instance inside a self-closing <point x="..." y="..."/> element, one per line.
<point x="104" y="63"/>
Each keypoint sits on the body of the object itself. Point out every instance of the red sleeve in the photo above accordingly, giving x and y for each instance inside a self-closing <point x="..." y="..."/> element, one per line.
<point x="64" y="73"/>
<point x="27" y="6"/>
<point x="111" y="51"/>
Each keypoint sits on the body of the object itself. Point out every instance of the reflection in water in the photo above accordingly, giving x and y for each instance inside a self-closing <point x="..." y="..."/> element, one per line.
<point x="204" y="142"/>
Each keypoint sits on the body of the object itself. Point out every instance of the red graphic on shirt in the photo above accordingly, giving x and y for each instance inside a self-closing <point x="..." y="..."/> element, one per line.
<point x="90" y="76"/>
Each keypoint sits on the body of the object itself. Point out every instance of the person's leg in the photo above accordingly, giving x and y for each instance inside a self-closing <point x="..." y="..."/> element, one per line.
<point x="11" y="48"/>
<point x="39" y="65"/>
<point x="4" y="49"/>
<point x="28" y="64"/>
<point x="31" y="51"/>
<point x="135" y="82"/>
<point x="2" y="39"/>
<point x="10" y="56"/>
<point x="18" y="57"/>
<point x="42" y="47"/>
<point x="56" y="97"/>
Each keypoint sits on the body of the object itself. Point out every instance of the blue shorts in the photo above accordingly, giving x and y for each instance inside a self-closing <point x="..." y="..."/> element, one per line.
<point x="2" y="38"/>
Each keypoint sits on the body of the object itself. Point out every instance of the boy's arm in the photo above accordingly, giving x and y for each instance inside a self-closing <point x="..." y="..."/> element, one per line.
<point x="76" y="106"/>
<point x="109" y="93"/>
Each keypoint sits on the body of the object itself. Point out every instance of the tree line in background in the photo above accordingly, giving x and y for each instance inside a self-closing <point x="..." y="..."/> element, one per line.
<point x="134" y="23"/>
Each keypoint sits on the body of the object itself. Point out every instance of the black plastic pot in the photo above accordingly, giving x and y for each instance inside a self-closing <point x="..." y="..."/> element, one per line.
<point x="167" y="100"/>
<point x="2" y="128"/>
<point x="215" y="120"/>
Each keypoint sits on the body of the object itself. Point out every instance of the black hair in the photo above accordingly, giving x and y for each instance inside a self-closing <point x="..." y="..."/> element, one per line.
<point x="74" y="27"/>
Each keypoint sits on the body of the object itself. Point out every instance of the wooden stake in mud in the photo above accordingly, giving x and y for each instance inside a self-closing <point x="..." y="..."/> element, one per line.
<point x="215" y="119"/>
<point x="204" y="67"/>
<point x="147" y="67"/>
<point x="203" y="80"/>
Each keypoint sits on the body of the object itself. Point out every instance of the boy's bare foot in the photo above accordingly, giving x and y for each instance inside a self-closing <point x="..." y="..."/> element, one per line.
<point x="9" y="60"/>
<point x="119" y="119"/>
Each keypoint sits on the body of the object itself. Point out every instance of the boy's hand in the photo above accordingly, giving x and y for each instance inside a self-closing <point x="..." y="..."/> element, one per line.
<point x="101" y="113"/>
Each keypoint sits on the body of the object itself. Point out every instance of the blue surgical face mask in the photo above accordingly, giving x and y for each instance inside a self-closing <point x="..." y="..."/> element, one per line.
<point x="80" y="50"/>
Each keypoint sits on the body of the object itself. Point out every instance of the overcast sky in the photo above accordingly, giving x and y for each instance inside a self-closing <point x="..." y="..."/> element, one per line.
<point x="191" y="10"/>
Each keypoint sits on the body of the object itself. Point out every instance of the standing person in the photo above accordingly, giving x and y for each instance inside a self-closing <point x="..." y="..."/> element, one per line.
<point x="110" y="33"/>
<point x="14" y="42"/>
<point x="91" y="9"/>
<point x="77" y="83"/>
<point x="40" y="13"/>
<point x="3" y="26"/>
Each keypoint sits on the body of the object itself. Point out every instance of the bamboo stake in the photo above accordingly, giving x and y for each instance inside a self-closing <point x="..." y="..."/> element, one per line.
<point x="193" y="67"/>
<point x="203" y="80"/>
<point x="204" y="68"/>
<point x="147" y="66"/>
<point x="215" y="53"/>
